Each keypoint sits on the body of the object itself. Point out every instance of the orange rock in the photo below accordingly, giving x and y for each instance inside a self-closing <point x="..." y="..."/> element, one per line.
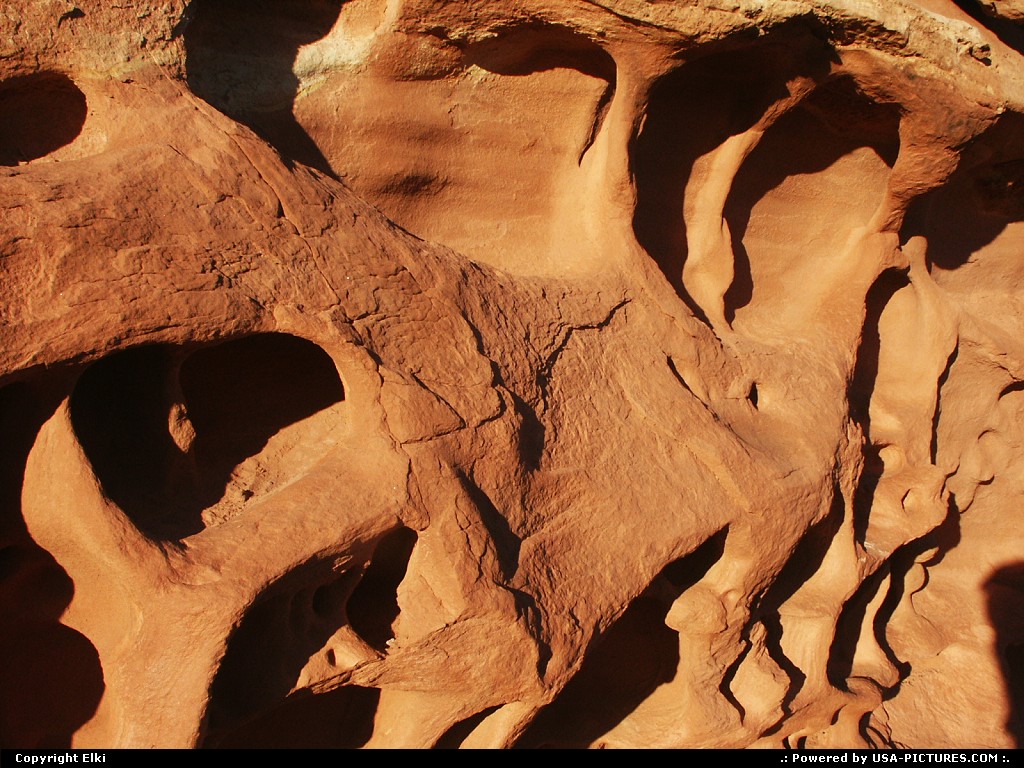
<point x="546" y="373"/>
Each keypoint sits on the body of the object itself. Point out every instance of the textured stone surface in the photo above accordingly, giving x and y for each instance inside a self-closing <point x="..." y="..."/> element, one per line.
<point x="556" y="373"/>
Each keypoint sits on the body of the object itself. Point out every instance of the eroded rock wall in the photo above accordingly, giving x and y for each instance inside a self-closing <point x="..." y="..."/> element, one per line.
<point x="556" y="373"/>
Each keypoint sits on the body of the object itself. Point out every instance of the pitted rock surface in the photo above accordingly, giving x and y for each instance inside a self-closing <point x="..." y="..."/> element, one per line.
<point x="557" y="373"/>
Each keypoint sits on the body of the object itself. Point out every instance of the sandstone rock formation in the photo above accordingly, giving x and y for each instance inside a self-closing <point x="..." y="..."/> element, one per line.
<point x="624" y="373"/>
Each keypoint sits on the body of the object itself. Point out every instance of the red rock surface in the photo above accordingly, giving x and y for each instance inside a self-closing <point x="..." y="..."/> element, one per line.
<point x="548" y="373"/>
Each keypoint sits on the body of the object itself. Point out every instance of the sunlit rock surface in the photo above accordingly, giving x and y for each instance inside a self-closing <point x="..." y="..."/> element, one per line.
<point x="511" y="374"/>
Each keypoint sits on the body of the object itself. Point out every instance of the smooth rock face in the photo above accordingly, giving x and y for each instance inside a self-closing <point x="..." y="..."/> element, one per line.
<point x="400" y="374"/>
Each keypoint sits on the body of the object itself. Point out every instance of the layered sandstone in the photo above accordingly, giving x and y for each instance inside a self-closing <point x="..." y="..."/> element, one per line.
<point x="487" y="374"/>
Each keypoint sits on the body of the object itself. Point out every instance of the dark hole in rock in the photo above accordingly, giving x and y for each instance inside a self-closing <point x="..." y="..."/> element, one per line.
<point x="51" y="680"/>
<point x="237" y="395"/>
<point x="615" y="677"/>
<point x="339" y="719"/>
<point x="373" y="607"/>
<point x="119" y="410"/>
<point x="241" y="393"/>
<point x="692" y="111"/>
<point x="39" y="114"/>
<point x="458" y="733"/>
<point x="239" y="58"/>
<point x="1004" y="591"/>
<point x="614" y="680"/>
<point x="979" y="201"/>
<point x="291" y="623"/>
<point x="274" y="641"/>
